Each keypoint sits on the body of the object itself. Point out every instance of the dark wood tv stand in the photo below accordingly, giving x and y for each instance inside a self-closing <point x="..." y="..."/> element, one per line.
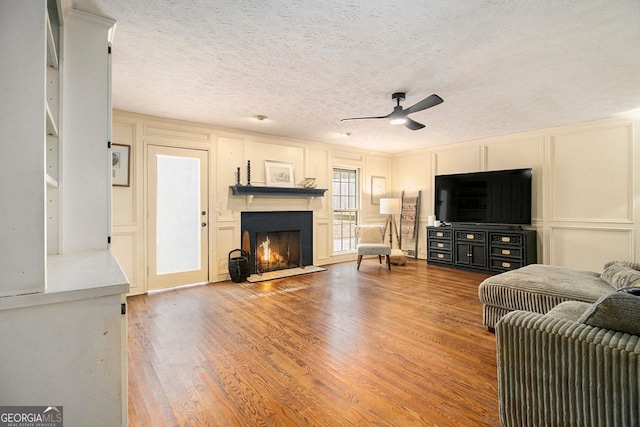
<point x="489" y="249"/>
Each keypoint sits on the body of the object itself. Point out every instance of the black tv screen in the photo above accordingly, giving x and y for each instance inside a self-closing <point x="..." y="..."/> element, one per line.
<point x="495" y="197"/>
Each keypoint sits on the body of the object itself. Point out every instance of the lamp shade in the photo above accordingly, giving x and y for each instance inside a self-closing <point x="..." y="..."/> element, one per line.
<point x="389" y="206"/>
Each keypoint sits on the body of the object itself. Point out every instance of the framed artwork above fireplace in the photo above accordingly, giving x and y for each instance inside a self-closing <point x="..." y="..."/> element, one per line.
<point x="279" y="174"/>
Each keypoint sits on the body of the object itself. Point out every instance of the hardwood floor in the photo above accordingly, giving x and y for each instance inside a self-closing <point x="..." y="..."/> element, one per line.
<point x="336" y="348"/>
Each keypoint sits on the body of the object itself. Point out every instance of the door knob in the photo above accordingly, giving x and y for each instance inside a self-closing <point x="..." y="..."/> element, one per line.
<point x="204" y="224"/>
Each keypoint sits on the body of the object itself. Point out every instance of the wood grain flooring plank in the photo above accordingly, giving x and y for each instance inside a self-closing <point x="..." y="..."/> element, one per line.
<point x="340" y="347"/>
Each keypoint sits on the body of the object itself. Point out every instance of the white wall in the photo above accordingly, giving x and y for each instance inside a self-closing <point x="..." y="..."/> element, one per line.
<point x="228" y="150"/>
<point x="585" y="186"/>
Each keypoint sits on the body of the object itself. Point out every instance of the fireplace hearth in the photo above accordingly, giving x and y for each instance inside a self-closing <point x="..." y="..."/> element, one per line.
<point x="279" y="239"/>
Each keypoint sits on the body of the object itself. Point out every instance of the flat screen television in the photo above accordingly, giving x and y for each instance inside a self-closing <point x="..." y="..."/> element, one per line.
<point x="495" y="197"/>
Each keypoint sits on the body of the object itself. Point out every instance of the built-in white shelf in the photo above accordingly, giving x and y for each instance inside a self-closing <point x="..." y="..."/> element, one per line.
<point x="52" y="136"/>
<point x="82" y="275"/>
<point x="52" y="51"/>
<point x="52" y="127"/>
<point x="51" y="182"/>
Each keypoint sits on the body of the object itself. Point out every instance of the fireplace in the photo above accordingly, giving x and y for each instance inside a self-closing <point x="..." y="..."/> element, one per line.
<point x="277" y="250"/>
<point x="279" y="240"/>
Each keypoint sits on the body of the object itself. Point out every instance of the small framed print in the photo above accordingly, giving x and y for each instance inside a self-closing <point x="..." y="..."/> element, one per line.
<point x="120" y="165"/>
<point x="378" y="189"/>
<point x="278" y="174"/>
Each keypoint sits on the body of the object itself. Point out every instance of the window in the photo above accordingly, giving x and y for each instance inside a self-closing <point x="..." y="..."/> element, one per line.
<point x="345" y="209"/>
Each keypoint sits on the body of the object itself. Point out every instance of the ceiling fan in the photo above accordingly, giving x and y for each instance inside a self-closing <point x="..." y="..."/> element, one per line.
<point x="399" y="115"/>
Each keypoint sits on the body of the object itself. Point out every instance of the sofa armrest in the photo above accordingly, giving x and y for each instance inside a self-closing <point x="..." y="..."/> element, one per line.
<point x="555" y="372"/>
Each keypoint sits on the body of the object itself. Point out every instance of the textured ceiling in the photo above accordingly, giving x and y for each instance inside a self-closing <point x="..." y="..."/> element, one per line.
<point x="501" y="66"/>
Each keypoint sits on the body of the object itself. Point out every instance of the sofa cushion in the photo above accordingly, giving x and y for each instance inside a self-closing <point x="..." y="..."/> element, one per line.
<point x="620" y="274"/>
<point x="558" y="283"/>
<point x="569" y="310"/>
<point x="618" y="311"/>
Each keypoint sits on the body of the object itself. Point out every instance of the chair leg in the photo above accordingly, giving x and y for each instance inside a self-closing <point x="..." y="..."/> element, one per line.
<point x="389" y="261"/>
<point x="380" y="259"/>
<point x="359" y="260"/>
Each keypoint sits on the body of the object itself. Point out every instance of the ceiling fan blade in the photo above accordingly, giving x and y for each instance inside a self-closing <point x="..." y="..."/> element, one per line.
<point x="413" y="125"/>
<point x="365" y="118"/>
<point x="428" y="102"/>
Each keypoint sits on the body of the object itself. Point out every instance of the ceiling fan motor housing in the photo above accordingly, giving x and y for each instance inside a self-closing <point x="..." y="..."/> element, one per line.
<point x="399" y="96"/>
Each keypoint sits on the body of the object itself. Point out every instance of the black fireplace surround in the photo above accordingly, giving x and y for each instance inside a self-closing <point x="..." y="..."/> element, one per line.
<point x="302" y="221"/>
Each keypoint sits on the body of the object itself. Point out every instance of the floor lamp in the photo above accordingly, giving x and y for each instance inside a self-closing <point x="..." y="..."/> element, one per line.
<point x="390" y="207"/>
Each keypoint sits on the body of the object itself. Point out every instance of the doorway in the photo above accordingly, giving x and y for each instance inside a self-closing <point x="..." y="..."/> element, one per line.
<point x="178" y="207"/>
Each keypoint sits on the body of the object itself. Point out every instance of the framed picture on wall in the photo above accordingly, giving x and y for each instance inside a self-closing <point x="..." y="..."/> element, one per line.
<point x="378" y="189"/>
<point x="120" y="165"/>
<point x="279" y="174"/>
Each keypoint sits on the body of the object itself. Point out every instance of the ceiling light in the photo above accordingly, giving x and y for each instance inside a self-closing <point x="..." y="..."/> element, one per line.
<point x="399" y="121"/>
<point x="345" y="134"/>
<point x="260" y="117"/>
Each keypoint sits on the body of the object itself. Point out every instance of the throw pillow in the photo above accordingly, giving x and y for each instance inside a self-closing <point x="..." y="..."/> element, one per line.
<point x="618" y="311"/>
<point x="620" y="274"/>
<point x="634" y="265"/>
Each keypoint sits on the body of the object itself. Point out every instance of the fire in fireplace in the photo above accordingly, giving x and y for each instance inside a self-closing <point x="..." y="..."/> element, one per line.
<point x="277" y="250"/>
<point x="279" y="240"/>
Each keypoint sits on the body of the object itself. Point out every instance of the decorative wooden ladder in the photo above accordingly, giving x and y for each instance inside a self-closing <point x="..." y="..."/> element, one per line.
<point x="409" y="218"/>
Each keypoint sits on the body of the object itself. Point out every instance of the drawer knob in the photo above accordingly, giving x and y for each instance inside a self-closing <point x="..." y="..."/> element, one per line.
<point x="506" y="264"/>
<point x="439" y="234"/>
<point x="506" y="239"/>
<point x="506" y="252"/>
<point x="470" y="236"/>
<point x="440" y="256"/>
<point x="440" y="245"/>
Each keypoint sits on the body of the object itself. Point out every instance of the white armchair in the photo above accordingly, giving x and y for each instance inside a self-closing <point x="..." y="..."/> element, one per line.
<point x="370" y="241"/>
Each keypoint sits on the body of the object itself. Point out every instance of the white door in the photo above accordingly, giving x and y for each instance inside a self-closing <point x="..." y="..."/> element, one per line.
<point x="177" y="204"/>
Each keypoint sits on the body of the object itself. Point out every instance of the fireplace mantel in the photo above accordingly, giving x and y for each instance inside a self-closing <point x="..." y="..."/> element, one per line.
<point x="251" y="191"/>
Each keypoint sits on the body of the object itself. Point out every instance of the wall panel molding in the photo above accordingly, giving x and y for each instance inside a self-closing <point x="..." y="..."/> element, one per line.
<point x="125" y="211"/>
<point x="457" y="160"/>
<point x="530" y="154"/>
<point x="228" y="239"/>
<point x="585" y="205"/>
<point x="589" y="248"/>
<point x="323" y="244"/>
<point x="175" y="131"/>
<point x="591" y="175"/>
<point x="124" y="247"/>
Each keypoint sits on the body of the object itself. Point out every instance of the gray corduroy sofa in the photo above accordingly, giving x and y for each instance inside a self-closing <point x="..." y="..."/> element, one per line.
<point x="577" y="365"/>
<point x="568" y="345"/>
<point x="538" y="288"/>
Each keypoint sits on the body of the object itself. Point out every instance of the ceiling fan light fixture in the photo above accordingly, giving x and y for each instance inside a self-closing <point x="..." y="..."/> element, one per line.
<point x="399" y="115"/>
